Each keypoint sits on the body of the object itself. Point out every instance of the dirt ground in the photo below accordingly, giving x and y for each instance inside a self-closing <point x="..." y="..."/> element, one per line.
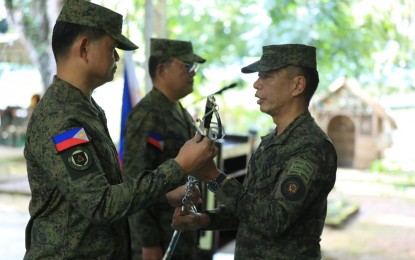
<point x="384" y="228"/>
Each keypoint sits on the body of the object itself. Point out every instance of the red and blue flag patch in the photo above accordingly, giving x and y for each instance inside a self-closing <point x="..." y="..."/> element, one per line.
<point x="156" y="140"/>
<point x="70" y="138"/>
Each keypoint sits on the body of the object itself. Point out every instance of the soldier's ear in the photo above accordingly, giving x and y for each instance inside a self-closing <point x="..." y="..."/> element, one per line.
<point x="162" y="70"/>
<point x="299" y="85"/>
<point x="82" y="48"/>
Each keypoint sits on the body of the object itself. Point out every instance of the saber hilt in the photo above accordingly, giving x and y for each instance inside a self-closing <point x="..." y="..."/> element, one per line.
<point x="213" y="131"/>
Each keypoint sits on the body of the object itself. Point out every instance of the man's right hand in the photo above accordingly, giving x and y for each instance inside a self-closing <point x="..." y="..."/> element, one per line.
<point x="195" y="153"/>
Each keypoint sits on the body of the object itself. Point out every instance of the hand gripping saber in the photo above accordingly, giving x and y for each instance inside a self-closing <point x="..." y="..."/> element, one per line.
<point x="187" y="206"/>
<point x="206" y="129"/>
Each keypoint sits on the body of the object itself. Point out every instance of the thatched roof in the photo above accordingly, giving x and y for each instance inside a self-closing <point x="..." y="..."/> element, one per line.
<point x="353" y="88"/>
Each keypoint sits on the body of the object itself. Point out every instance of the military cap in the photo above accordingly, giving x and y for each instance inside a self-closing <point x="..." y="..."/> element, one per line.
<point x="279" y="56"/>
<point x="181" y="50"/>
<point x="95" y="16"/>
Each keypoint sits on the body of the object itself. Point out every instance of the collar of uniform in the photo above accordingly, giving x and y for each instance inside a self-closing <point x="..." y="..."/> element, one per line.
<point x="163" y="101"/>
<point x="279" y="139"/>
<point x="166" y="104"/>
<point x="169" y="107"/>
<point x="71" y="93"/>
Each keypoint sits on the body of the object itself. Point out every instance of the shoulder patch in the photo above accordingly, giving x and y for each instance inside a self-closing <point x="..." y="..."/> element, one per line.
<point x="79" y="162"/>
<point x="70" y="138"/>
<point x="79" y="159"/>
<point x="293" y="188"/>
<point x="156" y="140"/>
<point x="301" y="168"/>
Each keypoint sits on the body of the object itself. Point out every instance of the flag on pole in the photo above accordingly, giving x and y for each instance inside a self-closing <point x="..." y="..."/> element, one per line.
<point x="130" y="97"/>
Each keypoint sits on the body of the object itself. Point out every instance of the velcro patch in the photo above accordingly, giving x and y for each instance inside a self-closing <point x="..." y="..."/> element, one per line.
<point x="78" y="161"/>
<point x="301" y="168"/>
<point x="293" y="188"/>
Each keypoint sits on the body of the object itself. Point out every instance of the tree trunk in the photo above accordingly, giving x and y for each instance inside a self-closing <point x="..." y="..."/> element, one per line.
<point x="34" y="24"/>
<point x="154" y="26"/>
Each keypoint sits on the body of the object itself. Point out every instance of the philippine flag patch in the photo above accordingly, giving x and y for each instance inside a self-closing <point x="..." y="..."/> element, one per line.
<point x="156" y="140"/>
<point x="70" y="138"/>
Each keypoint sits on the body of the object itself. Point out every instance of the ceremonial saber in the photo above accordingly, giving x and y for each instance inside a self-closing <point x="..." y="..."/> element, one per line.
<point x="191" y="183"/>
<point x="172" y="245"/>
<point x="213" y="133"/>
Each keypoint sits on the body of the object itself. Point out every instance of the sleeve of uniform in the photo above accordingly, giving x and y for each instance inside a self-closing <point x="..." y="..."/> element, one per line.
<point x="302" y="180"/>
<point x="140" y="155"/>
<point x="87" y="189"/>
<point x="222" y="218"/>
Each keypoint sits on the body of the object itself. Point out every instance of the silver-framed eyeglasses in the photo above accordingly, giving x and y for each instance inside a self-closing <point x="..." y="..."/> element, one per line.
<point x="190" y="67"/>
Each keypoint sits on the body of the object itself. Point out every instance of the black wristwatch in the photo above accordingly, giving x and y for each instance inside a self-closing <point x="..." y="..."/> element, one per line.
<point x="215" y="184"/>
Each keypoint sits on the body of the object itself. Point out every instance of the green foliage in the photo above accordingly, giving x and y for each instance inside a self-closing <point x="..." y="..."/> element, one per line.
<point x="9" y="4"/>
<point x="215" y="27"/>
<point x="347" y="40"/>
<point x="385" y="166"/>
<point x="355" y="38"/>
<point x="36" y="30"/>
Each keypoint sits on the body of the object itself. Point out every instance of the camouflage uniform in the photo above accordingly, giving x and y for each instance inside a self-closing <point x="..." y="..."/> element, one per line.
<point x="75" y="212"/>
<point x="280" y="209"/>
<point x="79" y="205"/>
<point x="151" y="226"/>
<point x="156" y="130"/>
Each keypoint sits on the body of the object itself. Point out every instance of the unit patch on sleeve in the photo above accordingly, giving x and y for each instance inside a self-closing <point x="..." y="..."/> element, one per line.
<point x="295" y="179"/>
<point x="301" y="168"/>
<point x="79" y="161"/>
<point x="293" y="188"/>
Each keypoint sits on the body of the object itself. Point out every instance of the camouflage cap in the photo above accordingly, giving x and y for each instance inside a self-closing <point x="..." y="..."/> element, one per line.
<point x="95" y="16"/>
<point x="279" y="56"/>
<point x="181" y="50"/>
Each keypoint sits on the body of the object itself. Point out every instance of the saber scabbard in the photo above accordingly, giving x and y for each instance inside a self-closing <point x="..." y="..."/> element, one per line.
<point x="172" y="245"/>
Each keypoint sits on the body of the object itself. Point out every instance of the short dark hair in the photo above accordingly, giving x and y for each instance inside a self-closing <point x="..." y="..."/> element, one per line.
<point x="311" y="77"/>
<point x="154" y="61"/>
<point x="65" y="34"/>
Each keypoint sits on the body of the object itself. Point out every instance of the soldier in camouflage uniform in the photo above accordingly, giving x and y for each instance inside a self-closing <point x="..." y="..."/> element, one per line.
<point x="280" y="209"/>
<point x="156" y="129"/>
<point x="80" y="205"/>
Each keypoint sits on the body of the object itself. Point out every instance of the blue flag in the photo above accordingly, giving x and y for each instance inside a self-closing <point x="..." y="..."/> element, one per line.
<point x="130" y="97"/>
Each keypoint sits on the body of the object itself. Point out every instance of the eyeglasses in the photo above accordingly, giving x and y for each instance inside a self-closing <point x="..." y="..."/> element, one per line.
<point x="190" y="67"/>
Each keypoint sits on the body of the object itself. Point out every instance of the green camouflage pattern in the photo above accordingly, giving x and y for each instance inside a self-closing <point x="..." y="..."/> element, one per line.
<point x="182" y="50"/>
<point x="155" y="113"/>
<point x="95" y="16"/>
<point x="280" y="209"/>
<point x="84" y="217"/>
<point x="279" y="56"/>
